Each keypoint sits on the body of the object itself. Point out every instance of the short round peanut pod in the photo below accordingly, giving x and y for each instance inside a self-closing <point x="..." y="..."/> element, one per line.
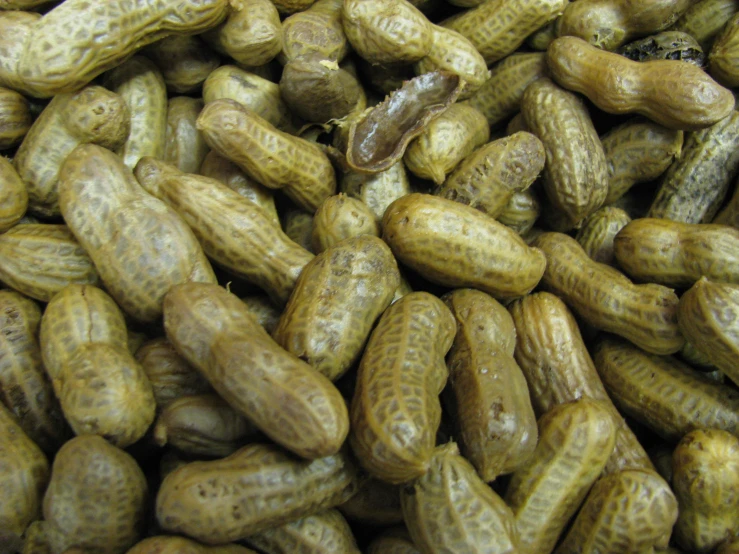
<point x="15" y="118"/>
<point x="89" y="473"/>
<point x="185" y="62"/>
<point x="341" y="217"/>
<point x="13" y="195"/>
<point x="317" y="30"/>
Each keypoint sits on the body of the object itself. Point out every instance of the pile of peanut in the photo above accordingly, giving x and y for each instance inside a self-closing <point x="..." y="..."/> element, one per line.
<point x="379" y="276"/>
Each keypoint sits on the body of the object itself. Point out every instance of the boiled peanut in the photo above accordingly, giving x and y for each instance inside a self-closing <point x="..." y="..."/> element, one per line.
<point x="15" y="118"/>
<point x="705" y="19"/>
<point x="724" y="56"/>
<point x="706" y="315"/>
<point x="575" y="172"/>
<point x="521" y="212"/>
<point x="16" y="28"/>
<point x="667" y="45"/>
<point x="629" y="511"/>
<point x="89" y="473"/>
<point x="377" y="190"/>
<point x="254" y="489"/>
<point x="598" y="231"/>
<point x="72" y="44"/>
<point x="497" y="28"/>
<point x="706" y="481"/>
<point x="395" y="540"/>
<point x="395" y="411"/>
<point x="451" y="509"/>
<point x="25" y="473"/>
<point x="676" y="95"/>
<point x="488" y="178"/>
<point x="677" y="254"/>
<point x="273" y="158"/>
<point x="375" y="503"/>
<point x="184" y="61"/>
<point x="235" y="232"/>
<point x="458" y="246"/>
<point x="184" y="146"/>
<point x="644" y="314"/>
<point x="251" y="34"/>
<point x="25" y="388"/>
<point x="13" y="195"/>
<point x="693" y="187"/>
<point x="287" y="399"/>
<point x="317" y="30"/>
<point x="326" y="531"/>
<point x="92" y="115"/>
<point x="341" y="217"/>
<point x="576" y="440"/>
<point x="489" y="396"/>
<point x="558" y="368"/>
<point x="180" y="545"/>
<point x="336" y="301"/>
<point x="663" y="393"/>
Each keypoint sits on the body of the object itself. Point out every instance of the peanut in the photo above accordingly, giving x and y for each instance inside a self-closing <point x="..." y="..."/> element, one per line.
<point x="114" y="219"/>
<point x="13" y="196"/>
<point x="326" y="531"/>
<point x="25" y="473"/>
<point x="202" y="425"/>
<point x="254" y="489"/>
<point x="25" y="388"/>
<point x="184" y="146"/>
<point x="693" y="187"/>
<point x="180" y="545"/>
<point x="251" y="34"/>
<point x="184" y="61"/>
<point x="341" y="217"/>
<point x="644" y="314"/>
<point x="317" y="30"/>
<point x="707" y="318"/>
<point x="608" y="24"/>
<point x="92" y="115"/>
<point x="576" y="440"/>
<point x="676" y="95"/>
<point x="667" y="45"/>
<point x="457" y="246"/>
<point x="575" y="172"/>
<point x="273" y="158"/>
<point x="558" y="368"/>
<point x="521" y="212"/>
<point x="170" y="375"/>
<point x="89" y="473"/>
<point x="489" y="397"/>
<point x="706" y="481"/>
<point x="251" y="90"/>
<point x="376" y="503"/>
<point x="102" y="389"/>
<point x="141" y="85"/>
<point x="705" y="19"/>
<point x="395" y="411"/>
<point x="16" y="28"/>
<point x="217" y="167"/>
<point x="15" y="118"/>
<point x="629" y="511"/>
<point x="377" y="190"/>
<point x="233" y="231"/>
<point x="497" y="28"/>
<point x="724" y="56"/>
<point x="663" y="393"/>
<point x="64" y="51"/>
<point x="263" y="310"/>
<point x="336" y="301"/>
<point x="387" y="31"/>
<point x="677" y="254"/>
<point x="395" y="540"/>
<point x="488" y="178"/>
<point x="298" y="225"/>
<point x="283" y="396"/>
<point x="638" y="151"/>
<point x="598" y="231"/>
<point x="499" y="97"/>
<point x="451" y="509"/>
<point x="292" y="6"/>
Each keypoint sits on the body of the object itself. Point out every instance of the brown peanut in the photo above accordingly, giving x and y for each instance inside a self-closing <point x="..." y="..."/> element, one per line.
<point x="233" y="231"/>
<point x="184" y="146"/>
<point x="705" y="19"/>
<point x="184" y="61"/>
<point x="92" y="115"/>
<point x="605" y="298"/>
<point x="521" y="212"/>
<point x="724" y="56"/>
<point x="341" y="217"/>
<point x="25" y="388"/>
<point x="15" y="118"/>
<point x="451" y="509"/>
<point x="663" y="393"/>
<point x="317" y="30"/>
<point x="395" y="411"/>
<point x="64" y="51"/>
<point x="273" y="158"/>
<point x="16" y="28"/>
<point x="558" y="368"/>
<point x="180" y="545"/>
<point x="575" y="175"/>
<point x="13" y="195"/>
<point x="254" y="489"/>
<point x="88" y="473"/>
<point x="676" y="95"/>
<point x="108" y="212"/>
<point x="376" y="503"/>
<point x="458" y="246"/>
<point x="598" y="231"/>
<point x="288" y="400"/>
<point x="395" y="540"/>
<point x="629" y="511"/>
<point x="377" y="190"/>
